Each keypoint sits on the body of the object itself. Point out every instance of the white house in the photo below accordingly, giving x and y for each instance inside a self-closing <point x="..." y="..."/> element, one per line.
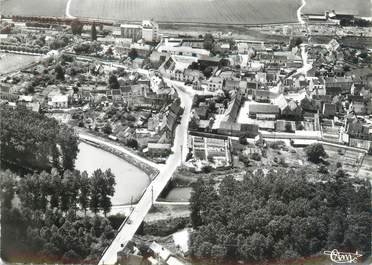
<point x="58" y="102"/>
<point x="214" y="83"/>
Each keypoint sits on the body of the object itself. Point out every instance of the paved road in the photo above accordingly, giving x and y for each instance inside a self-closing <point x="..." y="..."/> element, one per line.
<point x="158" y="184"/>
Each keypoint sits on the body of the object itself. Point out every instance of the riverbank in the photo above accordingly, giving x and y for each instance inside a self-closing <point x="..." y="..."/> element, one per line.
<point x="150" y="171"/>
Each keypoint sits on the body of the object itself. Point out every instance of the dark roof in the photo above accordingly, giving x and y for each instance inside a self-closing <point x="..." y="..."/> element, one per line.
<point x="329" y="109"/>
<point x="202" y="111"/>
<point x="176" y="108"/>
<point x="126" y="89"/>
<point x="263" y="109"/>
<point x="116" y="92"/>
<point x="353" y="98"/>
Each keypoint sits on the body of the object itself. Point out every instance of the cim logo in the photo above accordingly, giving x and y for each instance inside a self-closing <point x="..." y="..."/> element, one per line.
<point x="343" y="257"/>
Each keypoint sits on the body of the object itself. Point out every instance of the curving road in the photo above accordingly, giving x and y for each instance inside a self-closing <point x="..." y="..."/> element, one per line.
<point x="157" y="185"/>
<point x="299" y="12"/>
<point x="67" y="12"/>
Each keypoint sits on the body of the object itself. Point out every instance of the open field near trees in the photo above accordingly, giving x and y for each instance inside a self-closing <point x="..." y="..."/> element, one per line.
<point x="11" y="62"/>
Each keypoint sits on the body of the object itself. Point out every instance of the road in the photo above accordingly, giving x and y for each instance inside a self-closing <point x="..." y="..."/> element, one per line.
<point x="157" y="185"/>
<point x="67" y="12"/>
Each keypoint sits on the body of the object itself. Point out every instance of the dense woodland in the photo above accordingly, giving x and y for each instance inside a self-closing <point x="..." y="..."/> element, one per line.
<point x="49" y="210"/>
<point x="280" y="215"/>
<point x="50" y="222"/>
<point x="32" y="141"/>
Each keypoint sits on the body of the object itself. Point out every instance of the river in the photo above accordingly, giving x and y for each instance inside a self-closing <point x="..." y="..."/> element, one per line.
<point x="130" y="181"/>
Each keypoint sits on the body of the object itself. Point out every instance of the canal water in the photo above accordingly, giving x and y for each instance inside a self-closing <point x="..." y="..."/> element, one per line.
<point x="130" y="181"/>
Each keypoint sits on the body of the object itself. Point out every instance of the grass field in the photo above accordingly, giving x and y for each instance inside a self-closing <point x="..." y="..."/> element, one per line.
<point x="191" y="11"/>
<point x="11" y="62"/>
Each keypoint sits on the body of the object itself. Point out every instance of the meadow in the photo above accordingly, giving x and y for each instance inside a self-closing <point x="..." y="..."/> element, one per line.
<point x="12" y="62"/>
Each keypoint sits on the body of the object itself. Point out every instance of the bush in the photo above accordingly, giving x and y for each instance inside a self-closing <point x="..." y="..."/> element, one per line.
<point x="165" y="227"/>
<point x="315" y="153"/>
<point x="132" y="143"/>
<point x="323" y="169"/>
<point x="244" y="159"/>
<point x="256" y="156"/>
<point x="116" y="220"/>
<point x="207" y="169"/>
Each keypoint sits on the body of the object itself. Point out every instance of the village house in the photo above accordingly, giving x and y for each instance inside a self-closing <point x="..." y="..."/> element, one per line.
<point x="159" y="149"/>
<point x="232" y="84"/>
<point x="329" y="110"/>
<point x="338" y="85"/>
<point x="237" y="129"/>
<point x="358" y="129"/>
<point x="131" y="31"/>
<point x="292" y="111"/>
<point x="183" y="51"/>
<point x="255" y="110"/>
<point x="58" y="102"/>
<point x="150" y="31"/>
<point x="213" y="84"/>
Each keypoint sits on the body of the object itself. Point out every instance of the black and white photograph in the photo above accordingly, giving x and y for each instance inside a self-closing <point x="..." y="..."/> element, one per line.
<point x="185" y="132"/>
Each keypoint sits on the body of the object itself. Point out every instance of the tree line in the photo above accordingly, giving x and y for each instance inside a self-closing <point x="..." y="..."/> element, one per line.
<point x="283" y="214"/>
<point x="48" y="225"/>
<point x="33" y="141"/>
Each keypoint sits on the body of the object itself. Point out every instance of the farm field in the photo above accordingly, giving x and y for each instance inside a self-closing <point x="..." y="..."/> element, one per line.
<point x="33" y="7"/>
<point x="185" y="11"/>
<point x="191" y="11"/>
<point x="11" y="62"/>
<point x="355" y="7"/>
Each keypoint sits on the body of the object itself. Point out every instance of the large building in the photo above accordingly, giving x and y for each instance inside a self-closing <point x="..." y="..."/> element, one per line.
<point x="131" y="31"/>
<point x="150" y="31"/>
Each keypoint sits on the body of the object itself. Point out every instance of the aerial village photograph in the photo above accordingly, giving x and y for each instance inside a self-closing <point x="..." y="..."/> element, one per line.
<point x="186" y="132"/>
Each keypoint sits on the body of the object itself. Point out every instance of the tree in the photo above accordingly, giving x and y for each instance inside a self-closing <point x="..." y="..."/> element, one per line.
<point x="109" y="52"/>
<point x="84" y="191"/>
<point x="113" y="82"/>
<point x="102" y="189"/>
<point x="107" y="129"/>
<point x="315" y="152"/>
<point x="7" y="188"/>
<point x="95" y="196"/>
<point x="208" y="71"/>
<point x="288" y="127"/>
<point x="294" y="42"/>
<point x="132" y="54"/>
<point x="107" y="191"/>
<point x="208" y="42"/>
<point x="68" y="142"/>
<point x="76" y="27"/>
<point x="93" y="32"/>
<point x="132" y="143"/>
<point x="60" y="73"/>
<point x="279" y="214"/>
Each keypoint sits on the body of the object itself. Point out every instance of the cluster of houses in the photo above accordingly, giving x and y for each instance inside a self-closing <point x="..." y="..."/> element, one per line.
<point x="245" y="88"/>
<point x="267" y="95"/>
